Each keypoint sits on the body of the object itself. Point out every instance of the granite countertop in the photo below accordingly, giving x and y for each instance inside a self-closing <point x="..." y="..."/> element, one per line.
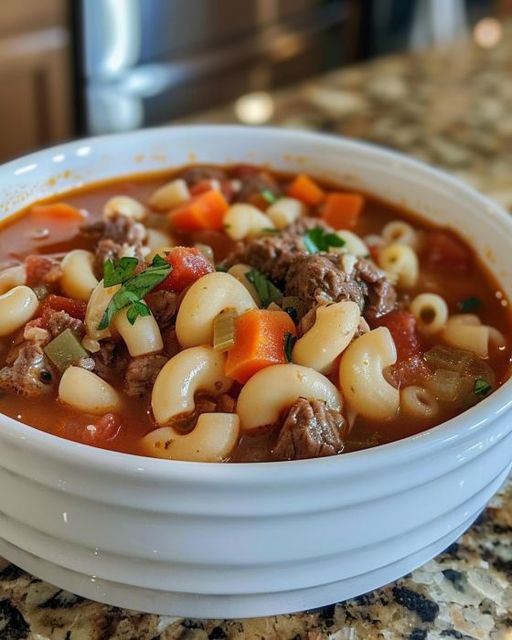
<point x="451" y="108"/>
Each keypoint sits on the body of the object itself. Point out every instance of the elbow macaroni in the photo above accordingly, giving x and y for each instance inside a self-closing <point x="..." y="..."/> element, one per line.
<point x="353" y="244"/>
<point x="418" y="402"/>
<point x="245" y="221"/>
<point x="124" y="206"/>
<point x="98" y="302"/>
<point x="399" y="231"/>
<point x="277" y="387"/>
<point x="401" y="261"/>
<point x="206" y="298"/>
<point x="212" y="440"/>
<point x="239" y="272"/>
<point x="334" y="328"/>
<point x="85" y="391"/>
<point x="170" y="195"/>
<point x="156" y="239"/>
<point x="78" y="279"/>
<point x="466" y="331"/>
<point x="17" y="307"/>
<point x="191" y="370"/>
<point x="285" y="211"/>
<point x="430" y="311"/>
<point x="12" y="277"/>
<point x="142" y="337"/>
<point x="362" y="382"/>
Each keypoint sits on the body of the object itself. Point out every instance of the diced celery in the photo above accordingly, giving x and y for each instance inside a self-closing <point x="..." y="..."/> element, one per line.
<point x="224" y="330"/>
<point x="65" y="350"/>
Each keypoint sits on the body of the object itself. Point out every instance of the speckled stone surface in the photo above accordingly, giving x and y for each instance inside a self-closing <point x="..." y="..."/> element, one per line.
<point x="451" y="108"/>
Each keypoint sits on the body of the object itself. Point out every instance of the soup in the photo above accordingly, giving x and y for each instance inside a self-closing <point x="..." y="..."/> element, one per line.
<point x="235" y="314"/>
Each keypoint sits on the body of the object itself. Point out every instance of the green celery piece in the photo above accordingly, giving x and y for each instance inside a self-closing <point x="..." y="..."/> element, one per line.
<point x="65" y="350"/>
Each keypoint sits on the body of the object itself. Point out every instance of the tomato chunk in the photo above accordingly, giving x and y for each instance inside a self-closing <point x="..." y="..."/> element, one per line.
<point x="75" y="308"/>
<point x="402" y="326"/>
<point x="410" y="367"/>
<point x="93" y="430"/>
<point x="188" y="265"/>
<point x="38" y="268"/>
<point x="443" y="251"/>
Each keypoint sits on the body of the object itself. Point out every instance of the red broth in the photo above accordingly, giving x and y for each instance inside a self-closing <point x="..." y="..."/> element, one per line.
<point x="21" y="235"/>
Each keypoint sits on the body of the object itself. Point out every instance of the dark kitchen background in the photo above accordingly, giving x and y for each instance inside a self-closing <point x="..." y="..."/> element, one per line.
<point x="85" y="67"/>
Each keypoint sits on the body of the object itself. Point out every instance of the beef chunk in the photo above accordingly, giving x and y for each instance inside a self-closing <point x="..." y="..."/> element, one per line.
<point x="116" y="237"/>
<point x="254" y="183"/>
<point x="319" y="279"/>
<point x="141" y="373"/>
<point x="111" y="360"/>
<point x="193" y="175"/>
<point x="381" y="295"/>
<point x="310" y="430"/>
<point x="163" y="305"/>
<point x="273" y="255"/>
<point x="27" y="372"/>
<point x="42" y="270"/>
<point x="56" y="322"/>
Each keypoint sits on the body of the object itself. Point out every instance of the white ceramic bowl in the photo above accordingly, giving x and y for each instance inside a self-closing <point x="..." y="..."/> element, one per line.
<point x="222" y="540"/>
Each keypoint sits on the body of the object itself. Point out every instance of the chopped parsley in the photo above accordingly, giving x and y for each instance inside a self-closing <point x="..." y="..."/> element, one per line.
<point x="481" y="388"/>
<point x="119" y="271"/>
<point x="470" y="304"/>
<point x="134" y="286"/>
<point x="289" y="342"/>
<point x="268" y="195"/>
<point x="319" y="239"/>
<point x="266" y="291"/>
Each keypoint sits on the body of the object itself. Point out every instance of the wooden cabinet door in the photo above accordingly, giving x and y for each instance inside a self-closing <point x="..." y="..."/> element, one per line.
<point x="35" y="85"/>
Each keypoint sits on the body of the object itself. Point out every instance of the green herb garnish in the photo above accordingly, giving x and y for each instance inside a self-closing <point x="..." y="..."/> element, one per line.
<point x="119" y="271"/>
<point x="319" y="239"/>
<point x="289" y="342"/>
<point x="481" y="388"/>
<point x="266" y="291"/>
<point x="268" y="195"/>
<point x="134" y="286"/>
<point x="270" y="231"/>
<point x="470" y="304"/>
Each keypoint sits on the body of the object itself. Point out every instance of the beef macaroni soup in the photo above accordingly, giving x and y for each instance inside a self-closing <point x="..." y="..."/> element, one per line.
<point x="234" y="314"/>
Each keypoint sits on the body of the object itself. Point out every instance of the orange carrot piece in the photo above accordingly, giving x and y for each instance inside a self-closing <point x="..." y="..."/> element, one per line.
<point x="57" y="211"/>
<point x="305" y="189"/>
<point x="259" y="342"/>
<point x="204" y="211"/>
<point x="342" y="210"/>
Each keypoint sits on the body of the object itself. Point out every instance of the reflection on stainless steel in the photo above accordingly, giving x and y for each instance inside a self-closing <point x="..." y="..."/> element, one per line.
<point x="115" y="26"/>
<point x="147" y="61"/>
<point x="487" y="32"/>
<point x="437" y="21"/>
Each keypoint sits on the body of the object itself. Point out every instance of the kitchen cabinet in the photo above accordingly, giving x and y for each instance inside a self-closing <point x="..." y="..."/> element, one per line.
<point x="35" y="75"/>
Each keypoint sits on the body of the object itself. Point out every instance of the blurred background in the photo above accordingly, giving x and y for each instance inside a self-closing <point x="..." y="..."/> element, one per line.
<point x="85" y="67"/>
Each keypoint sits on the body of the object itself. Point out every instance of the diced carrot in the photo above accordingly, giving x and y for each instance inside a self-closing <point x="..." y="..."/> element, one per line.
<point x="188" y="265"/>
<point x="259" y="342"/>
<point x="342" y="210"/>
<point x="443" y="251"/>
<point x="305" y="189"/>
<point x="74" y="308"/>
<point x="374" y="250"/>
<point x="57" y="211"/>
<point x="204" y="211"/>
